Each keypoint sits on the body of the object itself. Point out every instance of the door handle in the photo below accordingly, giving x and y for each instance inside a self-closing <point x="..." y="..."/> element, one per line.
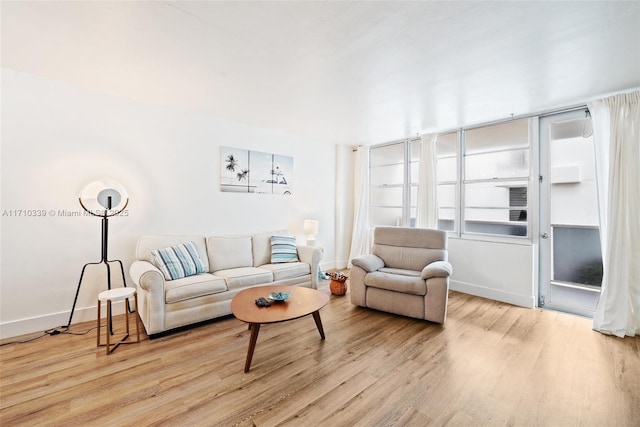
<point x="544" y="235"/>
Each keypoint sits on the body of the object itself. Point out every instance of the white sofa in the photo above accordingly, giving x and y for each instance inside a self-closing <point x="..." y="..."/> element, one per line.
<point x="231" y="263"/>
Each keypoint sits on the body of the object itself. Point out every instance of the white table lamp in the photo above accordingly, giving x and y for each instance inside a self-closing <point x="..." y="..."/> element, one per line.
<point x="311" y="229"/>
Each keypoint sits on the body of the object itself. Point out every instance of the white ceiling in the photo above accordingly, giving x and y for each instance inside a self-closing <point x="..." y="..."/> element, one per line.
<point x="342" y="72"/>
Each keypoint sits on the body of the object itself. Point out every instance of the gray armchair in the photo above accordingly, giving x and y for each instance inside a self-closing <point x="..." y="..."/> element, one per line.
<point x="407" y="273"/>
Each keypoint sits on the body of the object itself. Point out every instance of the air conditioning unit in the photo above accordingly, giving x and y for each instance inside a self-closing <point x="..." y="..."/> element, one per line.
<point x="569" y="174"/>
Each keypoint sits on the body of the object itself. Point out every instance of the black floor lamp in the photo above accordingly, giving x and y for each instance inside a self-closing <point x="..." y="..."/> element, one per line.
<point x="103" y="199"/>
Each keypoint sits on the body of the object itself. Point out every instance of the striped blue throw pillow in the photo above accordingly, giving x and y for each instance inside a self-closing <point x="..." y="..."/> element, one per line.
<point x="283" y="249"/>
<point x="179" y="261"/>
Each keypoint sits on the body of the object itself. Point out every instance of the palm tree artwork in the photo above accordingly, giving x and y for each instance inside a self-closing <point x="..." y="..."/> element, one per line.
<point x="249" y="171"/>
<point x="242" y="175"/>
<point x="235" y="169"/>
<point x="232" y="163"/>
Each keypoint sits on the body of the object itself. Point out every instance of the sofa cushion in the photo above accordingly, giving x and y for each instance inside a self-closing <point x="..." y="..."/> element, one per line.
<point x="396" y="282"/>
<point x="410" y="237"/>
<point x="287" y="270"/>
<point x="227" y="252"/>
<point x="193" y="287"/>
<point x="178" y="261"/>
<point x="409" y="248"/>
<point x="148" y="243"/>
<point x="407" y="258"/>
<point x="283" y="249"/>
<point x="237" y="278"/>
<point x="401" y="271"/>
<point x="261" y="246"/>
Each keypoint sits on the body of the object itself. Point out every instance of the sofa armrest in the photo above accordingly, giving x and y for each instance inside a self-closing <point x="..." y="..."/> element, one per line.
<point x="312" y="256"/>
<point x="368" y="262"/>
<point x="437" y="269"/>
<point x="147" y="276"/>
<point x="151" y="300"/>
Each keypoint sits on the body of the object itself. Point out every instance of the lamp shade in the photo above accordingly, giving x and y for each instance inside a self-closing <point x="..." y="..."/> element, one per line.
<point x="104" y="198"/>
<point x="311" y="226"/>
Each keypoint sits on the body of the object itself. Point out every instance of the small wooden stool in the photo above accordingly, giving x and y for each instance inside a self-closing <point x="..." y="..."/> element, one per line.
<point x="118" y="294"/>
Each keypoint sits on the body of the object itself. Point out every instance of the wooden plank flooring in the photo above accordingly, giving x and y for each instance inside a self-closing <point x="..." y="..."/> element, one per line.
<point x="491" y="364"/>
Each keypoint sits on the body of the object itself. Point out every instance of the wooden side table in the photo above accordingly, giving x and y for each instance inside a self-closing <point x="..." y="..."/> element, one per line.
<point x="118" y="294"/>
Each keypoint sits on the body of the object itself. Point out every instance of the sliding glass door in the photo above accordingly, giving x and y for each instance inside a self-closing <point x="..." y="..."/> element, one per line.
<point x="570" y="255"/>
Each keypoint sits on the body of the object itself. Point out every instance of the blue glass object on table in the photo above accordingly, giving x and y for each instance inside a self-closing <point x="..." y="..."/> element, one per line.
<point x="279" y="296"/>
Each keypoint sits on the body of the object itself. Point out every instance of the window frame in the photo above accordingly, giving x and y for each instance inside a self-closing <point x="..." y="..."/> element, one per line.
<point x="531" y="188"/>
<point x="456" y="184"/>
<point x="460" y="183"/>
<point x="405" y="219"/>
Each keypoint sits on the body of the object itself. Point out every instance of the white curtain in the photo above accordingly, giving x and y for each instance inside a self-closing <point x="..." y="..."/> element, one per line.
<point x="427" y="206"/>
<point x="345" y="159"/>
<point x="361" y="236"/>
<point x="616" y="131"/>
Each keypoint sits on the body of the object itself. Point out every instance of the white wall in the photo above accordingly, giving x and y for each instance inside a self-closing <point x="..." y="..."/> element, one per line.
<point x="494" y="270"/>
<point x="56" y="137"/>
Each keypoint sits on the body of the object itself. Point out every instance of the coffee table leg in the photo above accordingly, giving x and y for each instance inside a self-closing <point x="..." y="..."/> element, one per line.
<point x="255" y="329"/>
<point x="316" y="317"/>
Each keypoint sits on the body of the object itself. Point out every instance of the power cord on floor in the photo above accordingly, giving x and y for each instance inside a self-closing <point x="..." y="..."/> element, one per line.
<point x="56" y="331"/>
<point x="50" y="332"/>
<point x="85" y="332"/>
<point x="25" y="341"/>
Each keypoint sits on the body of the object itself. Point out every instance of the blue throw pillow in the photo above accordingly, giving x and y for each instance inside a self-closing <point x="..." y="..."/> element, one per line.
<point x="179" y="261"/>
<point x="283" y="249"/>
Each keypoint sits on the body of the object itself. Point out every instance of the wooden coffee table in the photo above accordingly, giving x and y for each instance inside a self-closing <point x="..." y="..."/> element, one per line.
<point x="302" y="302"/>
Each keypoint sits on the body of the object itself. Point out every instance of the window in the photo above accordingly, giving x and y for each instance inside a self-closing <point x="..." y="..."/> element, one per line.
<point x="496" y="179"/>
<point x="387" y="171"/>
<point x="393" y="174"/>
<point x="447" y="177"/>
<point x="577" y="258"/>
<point x="518" y="198"/>
<point x="414" y="167"/>
<point x="486" y="188"/>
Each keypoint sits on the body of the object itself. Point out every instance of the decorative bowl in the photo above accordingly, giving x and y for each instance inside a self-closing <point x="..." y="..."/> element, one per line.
<point x="279" y="296"/>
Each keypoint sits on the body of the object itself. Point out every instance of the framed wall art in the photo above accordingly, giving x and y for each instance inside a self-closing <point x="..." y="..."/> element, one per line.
<point x="248" y="171"/>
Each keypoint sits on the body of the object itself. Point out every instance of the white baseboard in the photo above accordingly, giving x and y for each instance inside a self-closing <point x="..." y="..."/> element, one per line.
<point x="342" y="264"/>
<point x="49" y="321"/>
<point x="337" y="264"/>
<point x="527" y="301"/>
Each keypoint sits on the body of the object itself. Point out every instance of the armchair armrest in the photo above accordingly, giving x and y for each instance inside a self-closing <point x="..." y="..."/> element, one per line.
<point x="368" y="262"/>
<point x="437" y="269"/>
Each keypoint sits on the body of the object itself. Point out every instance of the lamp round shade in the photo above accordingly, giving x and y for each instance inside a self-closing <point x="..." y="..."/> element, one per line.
<point x="310" y="226"/>
<point x="104" y="198"/>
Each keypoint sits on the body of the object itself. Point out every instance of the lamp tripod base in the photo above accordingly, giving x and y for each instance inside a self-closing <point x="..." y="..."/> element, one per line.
<point x="105" y="261"/>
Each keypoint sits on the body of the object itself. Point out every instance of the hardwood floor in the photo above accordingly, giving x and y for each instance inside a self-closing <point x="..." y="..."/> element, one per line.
<point x="491" y="364"/>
